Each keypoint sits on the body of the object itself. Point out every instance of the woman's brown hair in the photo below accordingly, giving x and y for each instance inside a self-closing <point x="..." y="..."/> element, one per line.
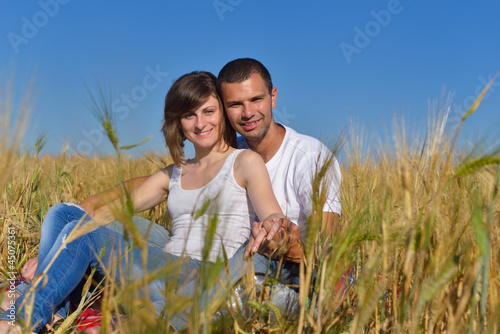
<point x="188" y="93"/>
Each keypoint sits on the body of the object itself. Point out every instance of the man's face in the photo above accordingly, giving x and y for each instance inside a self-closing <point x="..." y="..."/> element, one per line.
<point x="249" y="107"/>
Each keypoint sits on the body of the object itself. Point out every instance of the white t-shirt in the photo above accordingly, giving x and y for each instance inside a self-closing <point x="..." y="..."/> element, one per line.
<point x="292" y="170"/>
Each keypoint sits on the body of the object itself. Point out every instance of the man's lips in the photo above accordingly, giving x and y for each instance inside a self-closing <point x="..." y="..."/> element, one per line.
<point x="248" y="126"/>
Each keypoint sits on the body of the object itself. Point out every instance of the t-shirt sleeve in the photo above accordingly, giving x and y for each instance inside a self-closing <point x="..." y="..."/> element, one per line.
<point x="319" y="169"/>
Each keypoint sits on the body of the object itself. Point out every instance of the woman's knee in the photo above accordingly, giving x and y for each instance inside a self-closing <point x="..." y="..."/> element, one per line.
<point x="56" y="210"/>
<point x="58" y="216"/>
<point x="54" y="219"/>
<point x="69" y="227"/>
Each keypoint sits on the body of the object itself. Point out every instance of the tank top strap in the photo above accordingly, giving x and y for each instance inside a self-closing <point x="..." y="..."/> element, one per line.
<point x="228" y="166"/>
<point x="176" y="177"/>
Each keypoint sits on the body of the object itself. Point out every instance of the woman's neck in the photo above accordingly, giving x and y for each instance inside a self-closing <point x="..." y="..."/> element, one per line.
<point x="208" y="156"/>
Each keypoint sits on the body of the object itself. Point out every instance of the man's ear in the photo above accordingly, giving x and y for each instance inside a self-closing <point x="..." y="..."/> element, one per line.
<point x="274" y="95"/>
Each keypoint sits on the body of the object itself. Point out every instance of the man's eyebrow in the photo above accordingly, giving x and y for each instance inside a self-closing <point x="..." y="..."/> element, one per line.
<point x="233" y="101"/>
<point x="259" y="96"/>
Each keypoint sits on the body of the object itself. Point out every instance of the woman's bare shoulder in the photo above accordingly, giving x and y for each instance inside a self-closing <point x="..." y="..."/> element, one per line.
<point x="248" y="156"/>
<point x="165" y="174"/>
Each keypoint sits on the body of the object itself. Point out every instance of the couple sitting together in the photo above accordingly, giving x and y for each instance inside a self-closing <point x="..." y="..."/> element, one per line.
<point x="259" y="195"/>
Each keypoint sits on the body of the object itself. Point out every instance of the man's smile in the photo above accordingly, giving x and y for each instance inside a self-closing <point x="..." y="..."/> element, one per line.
<point x="248" y="126"/>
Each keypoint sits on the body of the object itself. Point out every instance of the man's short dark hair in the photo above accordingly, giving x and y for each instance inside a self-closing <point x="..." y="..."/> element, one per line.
<point x="241" y="69"/>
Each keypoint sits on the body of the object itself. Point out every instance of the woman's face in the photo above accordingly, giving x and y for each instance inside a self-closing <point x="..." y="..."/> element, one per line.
<point x="202" y="126"/>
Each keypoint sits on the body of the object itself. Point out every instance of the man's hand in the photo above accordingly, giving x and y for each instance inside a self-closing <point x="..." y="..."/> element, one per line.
<point x="263" y="232"/>
<point x="275" y="236"/>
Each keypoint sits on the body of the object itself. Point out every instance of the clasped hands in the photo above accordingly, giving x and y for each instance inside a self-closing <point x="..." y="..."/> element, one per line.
<point x="274" y="237"/>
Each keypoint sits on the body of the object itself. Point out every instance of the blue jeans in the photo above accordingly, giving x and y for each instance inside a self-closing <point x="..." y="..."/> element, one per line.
<point x="62" y="214"/>
<point x="70" y="265"/>
<point x="238" y="266"/>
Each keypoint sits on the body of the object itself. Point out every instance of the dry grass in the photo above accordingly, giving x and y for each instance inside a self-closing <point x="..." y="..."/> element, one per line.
<point x="419" y="233"/>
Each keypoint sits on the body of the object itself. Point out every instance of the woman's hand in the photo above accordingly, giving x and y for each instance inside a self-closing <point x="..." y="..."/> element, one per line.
<point x="263" y="232"/>
<point x="276" y="236"/>
<point x="88" y="206"/>
<point x="28" y="270"/>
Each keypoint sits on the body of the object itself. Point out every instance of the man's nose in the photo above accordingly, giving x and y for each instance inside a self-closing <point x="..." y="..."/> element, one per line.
<point x="247" y="111"/>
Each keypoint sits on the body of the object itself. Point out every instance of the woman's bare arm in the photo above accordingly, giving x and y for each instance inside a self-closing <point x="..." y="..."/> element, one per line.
<point x="251" y="173"/>
<point x="148" y="194"/>
<point x="93" y="203"/>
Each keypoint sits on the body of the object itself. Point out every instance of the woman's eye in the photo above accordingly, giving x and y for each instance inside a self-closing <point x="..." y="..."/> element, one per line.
<point x="188" y="115"/>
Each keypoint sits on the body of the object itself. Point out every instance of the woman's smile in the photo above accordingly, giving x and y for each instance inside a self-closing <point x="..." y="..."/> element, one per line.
<point x="202" y="126"/>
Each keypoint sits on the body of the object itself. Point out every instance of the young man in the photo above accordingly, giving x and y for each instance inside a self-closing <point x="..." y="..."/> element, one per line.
<point x="292" y="159"/>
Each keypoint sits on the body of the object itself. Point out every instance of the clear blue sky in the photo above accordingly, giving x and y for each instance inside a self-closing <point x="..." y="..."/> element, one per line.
<point x="330" y="60"/>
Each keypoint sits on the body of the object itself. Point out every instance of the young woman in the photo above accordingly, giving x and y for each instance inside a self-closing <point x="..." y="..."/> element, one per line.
<point x="219" y="181"/>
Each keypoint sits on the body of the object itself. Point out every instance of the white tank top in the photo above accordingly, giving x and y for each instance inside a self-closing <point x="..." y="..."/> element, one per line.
<point x="223" y="198"/>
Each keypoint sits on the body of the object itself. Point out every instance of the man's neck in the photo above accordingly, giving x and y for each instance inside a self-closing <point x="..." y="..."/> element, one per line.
<point x="270" y="144"/>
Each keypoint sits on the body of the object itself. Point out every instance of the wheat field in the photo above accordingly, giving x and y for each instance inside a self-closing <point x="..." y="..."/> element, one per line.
<point x="418" y="245"/>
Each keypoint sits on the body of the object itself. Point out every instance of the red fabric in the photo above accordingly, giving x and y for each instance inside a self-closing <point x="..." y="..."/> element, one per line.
<point x="91" y="318"/>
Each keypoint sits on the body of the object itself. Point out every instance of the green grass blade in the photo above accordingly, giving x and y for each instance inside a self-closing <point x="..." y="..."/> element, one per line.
<point x="478" y="100"/>
<point x="473" y="165"/>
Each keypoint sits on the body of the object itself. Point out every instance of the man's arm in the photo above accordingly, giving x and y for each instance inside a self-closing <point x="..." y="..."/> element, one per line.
<point x="92" y="203"/>
<point x="330" y="224"/>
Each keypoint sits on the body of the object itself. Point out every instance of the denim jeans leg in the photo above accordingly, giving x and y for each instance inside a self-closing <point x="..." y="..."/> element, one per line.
<point x="63" y="213"/>
<point x="156" y="235"/>
<point x="158" y="262"/>
<point x="68" y="269"/>
<point x="238" y="267"/>
<point x="59" y="222"/>
<point x="56" y="219"/>
<point x="177" y="270"/>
